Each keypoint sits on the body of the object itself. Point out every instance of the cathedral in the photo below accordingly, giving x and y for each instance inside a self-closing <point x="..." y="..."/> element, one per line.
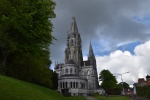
<point x="79" y="76"/>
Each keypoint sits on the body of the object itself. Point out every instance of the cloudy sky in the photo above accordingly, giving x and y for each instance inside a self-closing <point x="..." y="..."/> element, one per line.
<point x="119" y="31"/>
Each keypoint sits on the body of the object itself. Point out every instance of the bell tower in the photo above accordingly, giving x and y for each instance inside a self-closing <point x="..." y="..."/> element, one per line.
<point x="92" y="60"/>
<point x="73" y="50"/>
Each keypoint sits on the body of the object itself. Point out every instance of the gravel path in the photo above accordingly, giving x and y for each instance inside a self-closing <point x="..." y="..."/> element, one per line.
<point x="90" y="98"/>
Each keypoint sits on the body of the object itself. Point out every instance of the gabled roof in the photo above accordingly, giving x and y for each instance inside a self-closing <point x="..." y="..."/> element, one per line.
<point x="140" y="80"/>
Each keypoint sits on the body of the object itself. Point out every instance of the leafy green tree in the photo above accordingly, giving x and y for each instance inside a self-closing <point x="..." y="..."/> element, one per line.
<point x="148" y="93"/>
<point x="108" y="80"/>
<point x="25" y="36"/>
<point x="124" y="85"/>
<point x="55" y="80"/>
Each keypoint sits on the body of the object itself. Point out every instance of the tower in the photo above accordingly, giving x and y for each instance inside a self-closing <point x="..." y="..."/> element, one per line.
<point x="92" y="60"/>
<point x="73" y="49"/>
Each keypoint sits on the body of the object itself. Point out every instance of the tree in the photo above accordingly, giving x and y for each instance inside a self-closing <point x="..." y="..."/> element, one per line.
<point x="126" y="85"/>
<point x="108" y="80"/>
<point x="55" y="80"/>
<point x="25" y="37"/>
<point x="123" y="85"/>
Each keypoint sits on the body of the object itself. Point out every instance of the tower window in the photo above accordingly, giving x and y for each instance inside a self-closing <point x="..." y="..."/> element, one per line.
<point x="71" y="42"/>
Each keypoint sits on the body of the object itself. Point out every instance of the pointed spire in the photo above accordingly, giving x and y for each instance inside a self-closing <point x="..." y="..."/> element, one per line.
<point x="74" y="28"/>
<point x="91" y="55"/>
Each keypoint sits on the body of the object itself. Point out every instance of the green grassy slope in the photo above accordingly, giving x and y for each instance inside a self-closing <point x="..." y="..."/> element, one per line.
<point x="113" y="98"/>
<point x="13" y="89"/>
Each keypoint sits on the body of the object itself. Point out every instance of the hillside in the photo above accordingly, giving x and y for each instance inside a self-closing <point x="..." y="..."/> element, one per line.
<point x="13" y="89"/>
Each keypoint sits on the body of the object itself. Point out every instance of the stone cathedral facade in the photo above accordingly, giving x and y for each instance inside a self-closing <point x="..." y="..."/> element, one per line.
<point x="79" y="76"/>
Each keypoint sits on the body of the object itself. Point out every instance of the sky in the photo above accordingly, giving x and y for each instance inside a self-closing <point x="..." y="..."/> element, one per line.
<point x="118" y="29"/>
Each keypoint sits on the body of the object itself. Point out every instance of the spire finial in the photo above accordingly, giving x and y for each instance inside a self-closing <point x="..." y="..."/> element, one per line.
<point x="90" y="43"/>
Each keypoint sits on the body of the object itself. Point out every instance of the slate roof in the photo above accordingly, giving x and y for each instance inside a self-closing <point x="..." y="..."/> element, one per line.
<point x="58" y="65"/>
<point x="70" y="62"/>
<point x="86" y="63"/>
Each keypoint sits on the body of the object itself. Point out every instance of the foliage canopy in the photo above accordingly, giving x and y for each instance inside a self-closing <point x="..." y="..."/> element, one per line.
<point x="25" y="36"/>
<point x="108" y="80"/>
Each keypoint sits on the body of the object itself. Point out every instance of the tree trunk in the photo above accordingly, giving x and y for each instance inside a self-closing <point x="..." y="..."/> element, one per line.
<point x="3" y="66"/>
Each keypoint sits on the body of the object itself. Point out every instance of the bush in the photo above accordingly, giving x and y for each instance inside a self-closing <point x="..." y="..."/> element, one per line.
<point x="148" y="94"/>
<point x="96" y="94"/>
<point x="143" y="91"/>
<point x="113" y="91"/>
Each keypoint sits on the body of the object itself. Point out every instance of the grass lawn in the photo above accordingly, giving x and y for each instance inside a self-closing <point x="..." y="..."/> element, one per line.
<point x="13" y="89"/>
<point x="113" y="98"/>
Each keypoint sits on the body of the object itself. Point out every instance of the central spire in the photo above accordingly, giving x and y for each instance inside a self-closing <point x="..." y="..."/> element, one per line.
<point x="91" y="55"/>
<point x="74" y="28"/>
<point x="74" y="47"/>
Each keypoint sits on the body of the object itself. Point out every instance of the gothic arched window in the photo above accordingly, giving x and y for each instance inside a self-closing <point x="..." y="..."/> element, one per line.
<point x="76" y="84"/>
<point x="71" y="42"/>
<point x="66" y="71"/>
<point x="71" y="84"/>
<point x="75" y="71"/>
<point x="81" y="85"/>
<point x="63" y="85"/>
<point x="70" y="70"/>
<point x="66" y="85"/>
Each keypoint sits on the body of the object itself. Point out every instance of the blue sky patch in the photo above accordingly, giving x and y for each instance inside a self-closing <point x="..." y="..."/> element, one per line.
<point x="129" y="46"/>
<point x="144" y="20"/>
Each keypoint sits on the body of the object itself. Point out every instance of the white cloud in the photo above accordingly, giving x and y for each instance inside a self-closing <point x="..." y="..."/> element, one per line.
<point x="117" y="62"/>
<point x="143" y="50"/>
